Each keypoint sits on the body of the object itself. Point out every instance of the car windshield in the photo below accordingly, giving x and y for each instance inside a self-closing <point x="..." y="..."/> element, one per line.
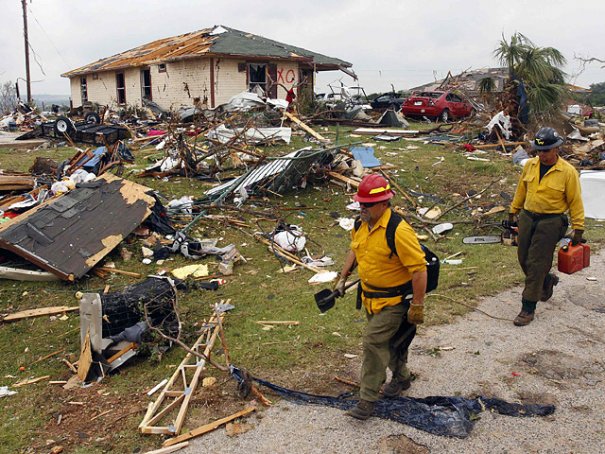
<point x="429" y="94"/>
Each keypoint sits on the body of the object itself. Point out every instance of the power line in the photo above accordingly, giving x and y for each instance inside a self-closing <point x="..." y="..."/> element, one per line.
<point x="49" y="38"/>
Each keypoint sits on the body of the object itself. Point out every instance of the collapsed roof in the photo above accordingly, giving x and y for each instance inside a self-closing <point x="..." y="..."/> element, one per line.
<point x="218" y="41"/>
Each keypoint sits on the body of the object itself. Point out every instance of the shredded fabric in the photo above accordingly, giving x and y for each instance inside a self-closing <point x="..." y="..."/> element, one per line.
<point x="438" y="415"/>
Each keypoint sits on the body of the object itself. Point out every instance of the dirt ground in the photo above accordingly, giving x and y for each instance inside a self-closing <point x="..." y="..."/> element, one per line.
<point x="557" y="359"/>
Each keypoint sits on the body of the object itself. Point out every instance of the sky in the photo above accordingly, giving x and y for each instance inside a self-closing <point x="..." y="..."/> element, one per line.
<point x="403" y="43"/>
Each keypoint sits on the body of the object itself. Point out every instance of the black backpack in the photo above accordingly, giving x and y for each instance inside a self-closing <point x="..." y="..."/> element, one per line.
<point x="432" y="261"/>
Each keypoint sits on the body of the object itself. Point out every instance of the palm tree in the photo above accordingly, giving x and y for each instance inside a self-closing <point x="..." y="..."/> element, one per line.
<point x="539" y="68"/>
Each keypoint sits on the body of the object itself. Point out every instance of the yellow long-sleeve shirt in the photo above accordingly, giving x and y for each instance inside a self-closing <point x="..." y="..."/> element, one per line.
<point x="558" y="191"/>
<point x="376" y="268"/>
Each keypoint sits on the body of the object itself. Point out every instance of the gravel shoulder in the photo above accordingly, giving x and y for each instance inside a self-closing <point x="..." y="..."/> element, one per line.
<point x="558" y="359"/>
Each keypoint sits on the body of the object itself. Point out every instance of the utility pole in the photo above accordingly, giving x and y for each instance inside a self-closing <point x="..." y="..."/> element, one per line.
<point x="28" y="80"/>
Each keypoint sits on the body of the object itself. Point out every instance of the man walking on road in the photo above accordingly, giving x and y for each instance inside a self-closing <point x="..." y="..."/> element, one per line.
<point x="549" y="186"/>
<point x="392" y="292"/>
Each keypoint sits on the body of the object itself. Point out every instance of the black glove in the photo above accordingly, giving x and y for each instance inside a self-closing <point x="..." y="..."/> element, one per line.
<point x="510" y="222"/>
<point x="577" y="237"/>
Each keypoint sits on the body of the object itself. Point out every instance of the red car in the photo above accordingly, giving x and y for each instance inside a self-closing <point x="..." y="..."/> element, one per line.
<point x="442" y="105"/>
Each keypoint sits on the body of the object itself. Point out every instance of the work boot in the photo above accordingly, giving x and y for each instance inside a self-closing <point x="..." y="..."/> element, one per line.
<point x="393" y="388"/>
<point x="363" y="410"/>
<point x="549" y="283"/>
<point x="524" y="318"/>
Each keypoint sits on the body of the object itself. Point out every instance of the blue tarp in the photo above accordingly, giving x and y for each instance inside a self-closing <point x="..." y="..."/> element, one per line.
<point x="366" y="156"/>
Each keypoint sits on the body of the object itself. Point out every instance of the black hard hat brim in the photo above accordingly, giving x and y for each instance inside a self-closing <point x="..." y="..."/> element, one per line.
<point x="558" y="143"/>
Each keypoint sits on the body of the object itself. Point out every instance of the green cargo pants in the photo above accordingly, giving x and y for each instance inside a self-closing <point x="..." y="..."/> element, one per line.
<point x="538" y="237"/>
<point x="385" y="344"/>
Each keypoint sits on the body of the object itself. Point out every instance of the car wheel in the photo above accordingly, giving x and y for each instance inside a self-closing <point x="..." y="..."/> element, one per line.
<point x="92" y="117"/>
<point x="64" y="125"/>
<point x="445" y="116"/>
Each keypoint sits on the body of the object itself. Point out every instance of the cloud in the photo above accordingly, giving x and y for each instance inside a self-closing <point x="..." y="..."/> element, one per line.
<point x="404" y="43"/>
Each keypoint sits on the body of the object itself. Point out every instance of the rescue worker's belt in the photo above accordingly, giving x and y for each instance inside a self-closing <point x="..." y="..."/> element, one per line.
<point x="388" y="292"/>
<point x="540" y="216"/>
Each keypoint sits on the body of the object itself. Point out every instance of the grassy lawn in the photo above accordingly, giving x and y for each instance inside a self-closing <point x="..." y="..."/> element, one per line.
<point x="304" y="356"/>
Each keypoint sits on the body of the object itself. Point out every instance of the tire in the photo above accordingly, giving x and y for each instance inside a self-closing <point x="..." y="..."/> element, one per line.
<point x="445" y="116"/>
<point x="92" y="117"/>
<point x="63" y="125"/>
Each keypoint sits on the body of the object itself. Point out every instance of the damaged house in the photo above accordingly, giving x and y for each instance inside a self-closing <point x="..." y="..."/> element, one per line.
<point x="208" y="66"/>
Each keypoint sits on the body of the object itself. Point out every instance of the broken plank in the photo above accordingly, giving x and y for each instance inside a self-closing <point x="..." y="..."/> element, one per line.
<point x="208" y="427"/>
<point x="107" y="269"/>
<point x="278" y="322"/>
<point x="349" y="181"/>
<point x="50" y="355"/>
<point x="38" y="313"/>
<point x="85" y="358"/>
<point x="129" y="347"/>
<point x="305" y="127"/>
<point x="31" y="381"/>
<point x="169" y="449"/>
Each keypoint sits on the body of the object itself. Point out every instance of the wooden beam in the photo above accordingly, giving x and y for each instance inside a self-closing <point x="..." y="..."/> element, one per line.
<point x="349" y="181"/>
<point x="38" y="313"/>
<point x="208" y="427"/>
<point x="107" y="269"/>
<point x="169" y="449"/>
<point x="278" y="322"/>
<point x="117" y="355"/>
<point x="31" y="381"/>
<point x="305" y="127"/>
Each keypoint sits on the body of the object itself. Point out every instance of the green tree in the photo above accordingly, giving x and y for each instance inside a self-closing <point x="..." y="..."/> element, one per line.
<point x="8" y="98"/>
<point x="597" y="94"/>
<point x="540" y="70"/>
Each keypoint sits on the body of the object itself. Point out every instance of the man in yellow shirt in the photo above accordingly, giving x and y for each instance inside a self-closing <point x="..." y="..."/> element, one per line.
<point x="549" y="186"/>
<point x="392" y="292"/>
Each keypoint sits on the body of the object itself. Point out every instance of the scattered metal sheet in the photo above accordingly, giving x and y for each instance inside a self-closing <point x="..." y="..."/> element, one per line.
<point x="277" y="176"/>
<point x="70" y="234"/>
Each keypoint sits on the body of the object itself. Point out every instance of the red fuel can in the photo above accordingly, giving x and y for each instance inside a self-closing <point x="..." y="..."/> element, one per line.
<point x="571" y="259"/>
<point x="586" y="251"/>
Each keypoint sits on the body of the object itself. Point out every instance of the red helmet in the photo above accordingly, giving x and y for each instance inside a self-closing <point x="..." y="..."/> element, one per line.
<point x="373" y="188"/>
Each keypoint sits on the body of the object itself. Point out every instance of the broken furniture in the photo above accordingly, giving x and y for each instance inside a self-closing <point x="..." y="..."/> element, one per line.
<point x="70" y="234"/>
<point x="114" y="324"/>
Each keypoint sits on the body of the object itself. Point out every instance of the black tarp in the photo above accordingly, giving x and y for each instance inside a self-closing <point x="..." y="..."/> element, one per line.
<point x="438" y="415"/>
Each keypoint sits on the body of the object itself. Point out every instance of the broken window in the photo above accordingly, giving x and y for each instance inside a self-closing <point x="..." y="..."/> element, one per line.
<point x="146" y="84"/>
<point x="162" y="68"/>
<point x="83" y="89"/>
<point x="121" y="88"/>
<point x="257" y="77"/>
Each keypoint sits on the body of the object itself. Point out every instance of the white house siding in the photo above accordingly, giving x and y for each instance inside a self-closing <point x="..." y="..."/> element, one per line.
<point x="228" y="81"/>
<point x="287" y="74"/>
<point x="102" y="90"/>
<point x="181" y="83"/>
